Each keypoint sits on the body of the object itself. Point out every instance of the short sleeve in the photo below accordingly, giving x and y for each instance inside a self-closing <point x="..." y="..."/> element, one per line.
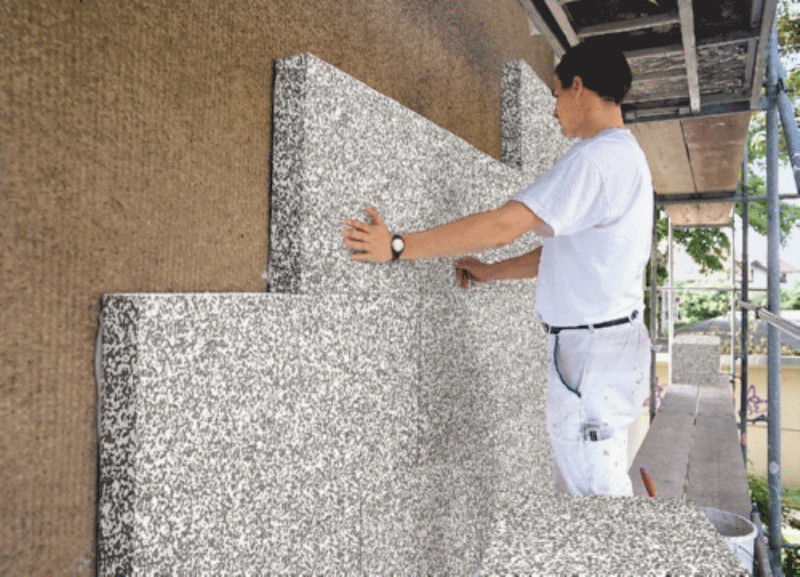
<point x="570" y="197"/>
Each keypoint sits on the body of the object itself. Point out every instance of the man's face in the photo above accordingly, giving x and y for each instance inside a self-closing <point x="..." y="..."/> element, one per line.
<point x="567" y="108"/>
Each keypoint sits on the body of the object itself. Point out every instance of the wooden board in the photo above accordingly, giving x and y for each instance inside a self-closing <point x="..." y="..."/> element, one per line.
<point x="665" y="455"/>
<point x="716" y="475"/>
<point x="681" y="399"/>
<point x="692" y="450"/>
<point x="710" y="213"/>
<point x="716" y="146"/>
<point x="663" y="145"/>
<point x="715" y="401"/>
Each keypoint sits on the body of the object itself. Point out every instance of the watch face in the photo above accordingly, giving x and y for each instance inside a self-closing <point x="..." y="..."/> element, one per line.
<point x="397" y="244"/>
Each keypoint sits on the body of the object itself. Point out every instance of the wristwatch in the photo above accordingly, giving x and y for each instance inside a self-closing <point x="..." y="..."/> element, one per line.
<point x="397" y="246"/>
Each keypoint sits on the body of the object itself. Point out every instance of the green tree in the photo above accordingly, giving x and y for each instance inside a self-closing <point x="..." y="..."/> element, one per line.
<point x="790" y="300"/>
<point x="789" y="42"/>
<point x="698" y="306"/>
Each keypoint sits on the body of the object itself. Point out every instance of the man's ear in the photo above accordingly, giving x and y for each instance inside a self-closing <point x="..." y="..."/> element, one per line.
<point x="577" y="85"/>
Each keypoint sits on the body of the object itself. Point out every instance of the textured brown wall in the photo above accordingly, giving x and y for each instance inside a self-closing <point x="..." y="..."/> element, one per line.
<point x="135" y="143"/>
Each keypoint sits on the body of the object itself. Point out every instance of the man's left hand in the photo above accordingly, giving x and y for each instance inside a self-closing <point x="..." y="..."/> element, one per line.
<point x="369" y="242"/>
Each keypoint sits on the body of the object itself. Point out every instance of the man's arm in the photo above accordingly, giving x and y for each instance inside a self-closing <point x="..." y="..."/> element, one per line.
<point x="474" y="233"/>
<point x="522" y="266"/>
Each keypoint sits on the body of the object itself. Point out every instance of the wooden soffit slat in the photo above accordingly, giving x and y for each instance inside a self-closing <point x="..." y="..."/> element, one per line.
<point x="664" y="147"/>
<point x="716" y="146"/>
<point x="707" y="214"/>
<point x="695" y="156"/>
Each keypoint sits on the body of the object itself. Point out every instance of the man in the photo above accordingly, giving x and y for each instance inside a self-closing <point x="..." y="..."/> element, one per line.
<point x="594" y="210"/>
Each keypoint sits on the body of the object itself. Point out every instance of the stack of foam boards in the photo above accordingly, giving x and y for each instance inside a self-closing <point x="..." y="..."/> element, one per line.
<point x="359" y="419"/>
<point x="695" y="360"/>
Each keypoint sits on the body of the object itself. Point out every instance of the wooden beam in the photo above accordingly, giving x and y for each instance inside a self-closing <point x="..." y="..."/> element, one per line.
<point x="666" y="112"/>
<point x="648" y="115"/>
<point x="728" y="37"/>
<point x="755" y="12"/>
<point x="659" y="75"/>
<point x="686" y="14"/>
<point x="563" y="21"/>
<point x="664" y="96"/>
<point x="628" y="25"/>
<point x="767" y="20"/>
<point x="741" y="101"/>
<point x="724" y="98"/>
<point x="657" y="52"/>
<point x="536" y="19"/>
<point x="748" y="65"/>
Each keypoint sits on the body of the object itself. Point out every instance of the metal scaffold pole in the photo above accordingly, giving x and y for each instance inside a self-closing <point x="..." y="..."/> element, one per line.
<point x="671" y="299"/>
<point x="745" y="340"/>
<point x="773" y="305"/>
<point x="732" y="303"/>
<point x="653" y="313"/>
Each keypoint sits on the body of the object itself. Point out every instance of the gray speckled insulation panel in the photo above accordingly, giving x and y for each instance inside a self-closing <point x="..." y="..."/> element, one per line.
<point x="239" y="432"/>
<point x="531" y="136"/>
<point x="695" y="359"/>
<point x="567" y="535"/>
<point x="278" y="434"/>
<point x="339" y="145"/>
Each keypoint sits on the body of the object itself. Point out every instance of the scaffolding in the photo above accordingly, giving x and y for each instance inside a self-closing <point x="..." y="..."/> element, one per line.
<point x="777" y="105"/>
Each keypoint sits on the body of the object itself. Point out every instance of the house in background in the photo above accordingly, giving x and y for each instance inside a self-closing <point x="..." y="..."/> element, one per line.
<point x="758" y="273"/>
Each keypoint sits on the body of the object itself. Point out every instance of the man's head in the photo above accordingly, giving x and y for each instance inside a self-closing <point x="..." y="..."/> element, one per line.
<point x="601" y="67"/>
<point x="590" y="82"/>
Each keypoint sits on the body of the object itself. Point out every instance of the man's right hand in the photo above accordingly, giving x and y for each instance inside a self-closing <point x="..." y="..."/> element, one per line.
<point x="471" y="269"/>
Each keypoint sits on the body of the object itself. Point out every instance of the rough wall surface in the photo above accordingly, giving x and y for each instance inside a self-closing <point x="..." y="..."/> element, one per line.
<point x="134" y="144"/>
<point x="630" y="536"/>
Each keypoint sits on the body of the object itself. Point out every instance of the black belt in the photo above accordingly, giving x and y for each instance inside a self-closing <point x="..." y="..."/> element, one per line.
<point x="555" y="330"/>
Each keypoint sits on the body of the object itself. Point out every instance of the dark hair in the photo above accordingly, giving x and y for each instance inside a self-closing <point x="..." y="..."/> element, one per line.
<point x="601" y="66"/>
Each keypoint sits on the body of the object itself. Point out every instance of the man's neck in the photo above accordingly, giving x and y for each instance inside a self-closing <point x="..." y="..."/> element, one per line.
<point x="602" y="116"/>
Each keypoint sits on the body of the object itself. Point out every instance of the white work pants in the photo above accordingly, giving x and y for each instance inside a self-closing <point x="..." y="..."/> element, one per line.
<point x="610" y="369"/>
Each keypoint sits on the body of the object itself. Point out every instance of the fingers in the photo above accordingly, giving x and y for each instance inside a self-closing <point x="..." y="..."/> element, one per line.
<point x="357" y="225"/>
<point x="463" y="277"/>
<point x="355" y="244"/>
<point x="355" y="235"/>
<point x="368" y="241"/>
<point x="374" y="215"/>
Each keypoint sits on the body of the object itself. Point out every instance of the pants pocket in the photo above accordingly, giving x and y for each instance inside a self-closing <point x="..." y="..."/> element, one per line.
<point x="606" y="466"/>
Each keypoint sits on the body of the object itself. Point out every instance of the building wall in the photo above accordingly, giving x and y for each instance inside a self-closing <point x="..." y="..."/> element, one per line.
<point x="790" y="422"/>
<point x="135" y="150"/>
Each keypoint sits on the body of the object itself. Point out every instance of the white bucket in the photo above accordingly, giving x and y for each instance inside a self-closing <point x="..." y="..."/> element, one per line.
<point x="739" y="533"/>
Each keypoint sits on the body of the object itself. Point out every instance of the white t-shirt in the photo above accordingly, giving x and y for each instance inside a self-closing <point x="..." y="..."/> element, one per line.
<point x="598" y="199"/>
